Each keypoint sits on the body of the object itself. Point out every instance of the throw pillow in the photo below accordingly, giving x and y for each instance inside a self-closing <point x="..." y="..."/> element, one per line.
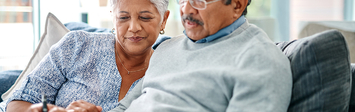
<point x="321" y="73"/>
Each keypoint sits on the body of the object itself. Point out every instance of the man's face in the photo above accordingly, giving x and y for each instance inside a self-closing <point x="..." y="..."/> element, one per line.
<point x="202" y="23"/>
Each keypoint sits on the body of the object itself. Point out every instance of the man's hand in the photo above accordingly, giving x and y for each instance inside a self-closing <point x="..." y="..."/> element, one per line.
<point x="82" y="106"/>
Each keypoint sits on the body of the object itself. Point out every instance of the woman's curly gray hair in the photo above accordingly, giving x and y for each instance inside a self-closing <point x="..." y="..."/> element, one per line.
<point x="161" y="5"/>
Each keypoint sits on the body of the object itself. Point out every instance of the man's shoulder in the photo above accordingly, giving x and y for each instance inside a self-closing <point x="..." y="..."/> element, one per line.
<point x="178" y="37"/>
<point x="169" y="40"/>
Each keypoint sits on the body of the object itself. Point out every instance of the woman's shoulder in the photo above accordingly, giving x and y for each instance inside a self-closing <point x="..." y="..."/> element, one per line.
<point x="88" y="36"/>
<point x="83" y="37"/>
<point x="81" y="40"/>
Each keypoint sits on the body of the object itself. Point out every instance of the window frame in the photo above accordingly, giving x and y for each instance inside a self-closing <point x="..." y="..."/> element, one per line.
<point x="36" y="21"/>
<point x="349" y="10"/>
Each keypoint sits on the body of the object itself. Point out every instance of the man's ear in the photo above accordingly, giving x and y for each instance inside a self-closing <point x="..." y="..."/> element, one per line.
<point x="165" y="19"/>
<point x="239" y="7"/>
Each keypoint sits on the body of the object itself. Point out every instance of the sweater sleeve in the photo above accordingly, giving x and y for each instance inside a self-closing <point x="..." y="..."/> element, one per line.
<point x="49" y="75"/>
<point x="266" y="83"/>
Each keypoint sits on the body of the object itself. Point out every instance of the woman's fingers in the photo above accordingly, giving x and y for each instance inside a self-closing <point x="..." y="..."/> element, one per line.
<point x="76" y="106"/>
<point x="38" y="107"/>
<point x="99" y="108"/>
<point x="57" y="109"/>
<point x="35" y="108"/>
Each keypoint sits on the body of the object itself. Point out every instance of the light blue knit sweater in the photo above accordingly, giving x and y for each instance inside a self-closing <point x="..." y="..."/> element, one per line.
<point x="241" y="72"/>
<point x="81" y="66"/>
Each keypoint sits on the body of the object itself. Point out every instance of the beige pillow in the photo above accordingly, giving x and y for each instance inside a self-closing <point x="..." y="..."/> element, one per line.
<point x="54" y="31"/>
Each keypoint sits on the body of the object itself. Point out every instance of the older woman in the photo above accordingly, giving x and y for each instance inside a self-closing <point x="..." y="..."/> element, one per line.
<point x="86" y="69"/>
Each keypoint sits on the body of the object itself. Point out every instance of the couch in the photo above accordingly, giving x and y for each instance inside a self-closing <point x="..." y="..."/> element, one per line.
<point x="7" y="79"/>
<point x="321" y="70"/>
<point x="320" y="63"/>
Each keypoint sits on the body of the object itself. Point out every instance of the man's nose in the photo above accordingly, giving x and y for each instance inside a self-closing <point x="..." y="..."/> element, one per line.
<point x="188" y="9"/>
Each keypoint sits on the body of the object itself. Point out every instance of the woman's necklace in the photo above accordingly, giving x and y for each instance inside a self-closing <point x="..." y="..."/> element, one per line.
<point x="126" y="68"/>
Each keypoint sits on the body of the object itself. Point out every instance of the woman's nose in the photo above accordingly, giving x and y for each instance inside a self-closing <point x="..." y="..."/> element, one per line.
<point x="134" y="26"/>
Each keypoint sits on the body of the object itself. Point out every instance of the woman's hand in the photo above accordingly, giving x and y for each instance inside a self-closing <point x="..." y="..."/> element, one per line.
<point x="51" y="108"/>
<point x="76" y="106"/>
<point x="83" y="106"/>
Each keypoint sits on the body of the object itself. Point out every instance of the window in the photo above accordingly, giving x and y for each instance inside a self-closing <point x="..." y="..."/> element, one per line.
<point x="22" y="21"/>
<point x="302" y="11"/>
<point x="16" y="40"/>
<point x="287" y="17"/>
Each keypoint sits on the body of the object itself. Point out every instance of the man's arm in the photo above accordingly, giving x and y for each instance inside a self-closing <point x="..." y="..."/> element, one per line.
<point x="266" y="81"/>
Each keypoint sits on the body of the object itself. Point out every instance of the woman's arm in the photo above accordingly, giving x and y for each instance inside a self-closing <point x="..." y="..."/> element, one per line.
<point x="46" y="78"/>
<point x="23" y="106"/>
<point x="18" y="106"/>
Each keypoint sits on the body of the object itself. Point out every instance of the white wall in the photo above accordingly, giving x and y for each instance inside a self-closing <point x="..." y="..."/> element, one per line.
<point x="15" y="45"/>
<point x="313" y="10"/>
<point x="64" y="10"/>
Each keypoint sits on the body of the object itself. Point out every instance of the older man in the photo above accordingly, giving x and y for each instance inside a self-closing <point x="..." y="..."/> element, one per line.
<point x="222" y="63"/>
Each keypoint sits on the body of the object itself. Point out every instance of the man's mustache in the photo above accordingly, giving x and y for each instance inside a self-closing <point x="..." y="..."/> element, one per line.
<point x="190" y="18"/>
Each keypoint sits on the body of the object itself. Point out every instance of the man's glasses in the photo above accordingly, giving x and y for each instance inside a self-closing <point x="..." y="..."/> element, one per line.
<point x="197" y="4"/>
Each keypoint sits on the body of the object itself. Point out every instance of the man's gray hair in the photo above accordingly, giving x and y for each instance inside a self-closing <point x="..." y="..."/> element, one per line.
<point x="161" y="5"/>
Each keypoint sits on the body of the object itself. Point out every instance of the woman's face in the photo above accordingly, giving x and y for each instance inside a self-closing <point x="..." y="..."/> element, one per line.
<point x="138" y="24"/>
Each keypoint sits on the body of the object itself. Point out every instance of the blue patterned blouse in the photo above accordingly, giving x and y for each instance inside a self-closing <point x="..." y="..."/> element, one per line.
<point x="81" y="66"/>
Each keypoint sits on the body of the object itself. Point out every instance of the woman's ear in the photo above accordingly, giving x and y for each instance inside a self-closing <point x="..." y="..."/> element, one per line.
<point x="111" y="13"/>
<point x="239" y="7"/>
<point x="112" y="16"/>
<point x="165" y="19"/>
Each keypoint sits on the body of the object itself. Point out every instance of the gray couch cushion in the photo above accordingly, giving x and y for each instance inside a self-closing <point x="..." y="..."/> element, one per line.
<point x="321" y="73"/>
<point x="352" y="98"/>
<point x="7" y="78"/>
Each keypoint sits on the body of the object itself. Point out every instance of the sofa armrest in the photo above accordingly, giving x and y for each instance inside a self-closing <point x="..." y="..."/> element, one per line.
<point x="7" y="79"/>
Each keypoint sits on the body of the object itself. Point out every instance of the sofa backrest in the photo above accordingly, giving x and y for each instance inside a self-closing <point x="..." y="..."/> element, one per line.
<point x="321" y="72"/>
<point x="347" y="29"/>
